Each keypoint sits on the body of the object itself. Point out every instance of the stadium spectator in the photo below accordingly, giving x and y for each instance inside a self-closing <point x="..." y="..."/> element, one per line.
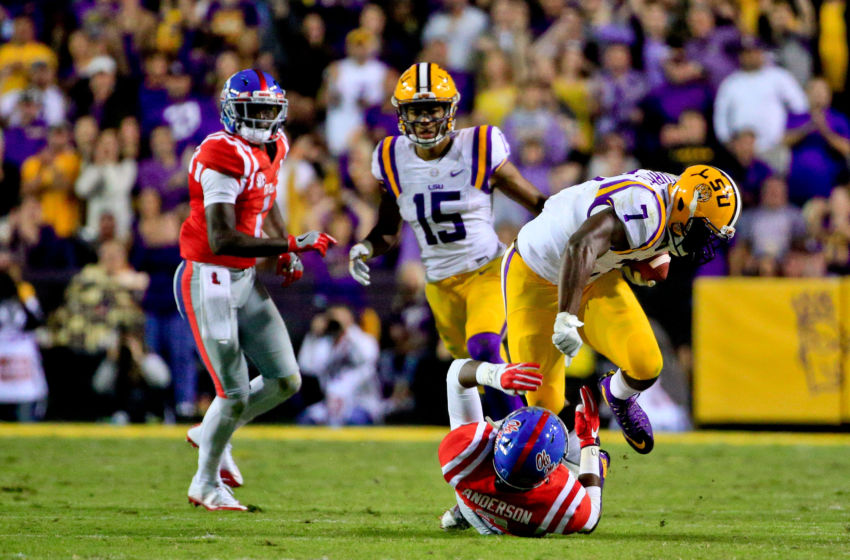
<point x="350" y="88"/>
<point x="344" y="359"/>
<point x="496" y="90"/>
<point x="767" y="233"/>
<point x="745" y="166"/>
<point x="650" y="25"/>
<point x="620" y="89"/>
<point x="105" y="184"/>
<point x="86" y="131"/>
<point x="572" y="87"/>
<point x="23" y="387"/>
<point x="828" y="223"/>
<point x="711" y="46"/>
<point x="612" y="158"/>
<point x="402" y="35"/>
<point x="164" y="171"/>
<point x="20" y="53"/>
<point x="101" y="95"/>
<point x="34" y="242"/>
<point x="687" y="143"/>
<point x="132" y="380"/>
<point x="758" y="97"/>
<point x="788" y="27"/>
<point x="509" y="33"/>
<point x="460" y="26"/>
<point x="156" y="253"/>
<point x="42" y="78"/>
<point x="10" y="181"/>
<point x="820" y="146"/>
<point x="30" y="134"/>
<point x="308" y="54"/>
<point x="534" y="118"/>
<point x="232" y="20"/>
<point x="50" y="175"/>
<point x="382" y="119"/>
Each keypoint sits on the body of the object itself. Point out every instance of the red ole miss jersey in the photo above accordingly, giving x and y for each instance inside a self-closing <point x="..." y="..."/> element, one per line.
<point x="559" y="505"/>
<point x="257" y="176"/>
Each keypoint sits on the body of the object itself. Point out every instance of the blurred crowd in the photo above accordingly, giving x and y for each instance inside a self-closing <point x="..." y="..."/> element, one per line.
<point x="102" y="103"/>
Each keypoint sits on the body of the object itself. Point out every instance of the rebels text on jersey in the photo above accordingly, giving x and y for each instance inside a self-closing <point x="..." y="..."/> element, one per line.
<point x="559" y="505"/>
<point x="253" y="193"/>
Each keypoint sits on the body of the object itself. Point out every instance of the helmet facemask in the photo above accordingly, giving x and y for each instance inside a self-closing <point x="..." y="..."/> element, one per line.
<point x="257" y="118"/>
<point x="433" y="118"/>
<point x="697" y="240"/>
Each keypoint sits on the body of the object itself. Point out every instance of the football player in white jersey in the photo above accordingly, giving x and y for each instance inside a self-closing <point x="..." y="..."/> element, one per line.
<point x="440" y="181"/>
<point x="564" y="269"/>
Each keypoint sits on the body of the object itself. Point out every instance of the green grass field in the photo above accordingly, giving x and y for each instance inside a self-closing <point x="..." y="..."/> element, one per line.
<point x="103" y="492"/>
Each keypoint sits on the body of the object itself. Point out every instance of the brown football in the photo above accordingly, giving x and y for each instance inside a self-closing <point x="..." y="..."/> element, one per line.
<point x="653" y="268"/>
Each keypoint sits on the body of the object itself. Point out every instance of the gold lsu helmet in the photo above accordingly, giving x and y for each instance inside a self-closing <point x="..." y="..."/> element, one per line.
<point x="425" y="82"/>
<point x="704" y="206"/>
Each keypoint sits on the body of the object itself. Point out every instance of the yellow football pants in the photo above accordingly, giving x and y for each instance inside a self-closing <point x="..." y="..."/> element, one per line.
<point x="615" y="325"/>
<point x="467" y="304"/>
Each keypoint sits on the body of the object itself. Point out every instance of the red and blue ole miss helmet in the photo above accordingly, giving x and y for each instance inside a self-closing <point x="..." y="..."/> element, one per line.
<point x="529" y="445"/>
<point x="253" y="106"/>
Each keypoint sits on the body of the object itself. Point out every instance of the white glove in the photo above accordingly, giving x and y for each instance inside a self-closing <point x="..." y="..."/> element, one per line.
<point x="566" y="337"/>
<point x="635" y="277"/>
<point x="357" y="266"/>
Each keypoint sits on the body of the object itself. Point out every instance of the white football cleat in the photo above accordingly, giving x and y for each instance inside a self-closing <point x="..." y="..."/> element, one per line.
<point x="213" y="497"/>
<point x="227" y="469"/>
<point x="453" y="520"/>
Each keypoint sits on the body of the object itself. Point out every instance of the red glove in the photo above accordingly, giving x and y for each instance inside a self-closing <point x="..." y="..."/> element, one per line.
<point x="311" y="241"/>
<point x="587" y="419"/>
<point x="289" y="266"/>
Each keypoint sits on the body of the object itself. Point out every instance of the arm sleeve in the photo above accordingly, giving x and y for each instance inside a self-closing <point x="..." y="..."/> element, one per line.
<point x="641" y="211"/>
<point x="219" y="188"/>
<point x="464" y="402"/>
<point x="501" y="149"/>
<point x="376" y="163"/>
<point x="794" y="95"/>
<point x="594" y="494"/>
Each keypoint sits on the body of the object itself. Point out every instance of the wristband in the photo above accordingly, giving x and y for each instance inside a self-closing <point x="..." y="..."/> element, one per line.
<point x="486" y="375"/>
<point x="589" y="460"/>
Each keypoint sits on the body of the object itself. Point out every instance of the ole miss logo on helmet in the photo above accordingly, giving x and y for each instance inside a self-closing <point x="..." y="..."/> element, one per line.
<point x="511" y="426"/>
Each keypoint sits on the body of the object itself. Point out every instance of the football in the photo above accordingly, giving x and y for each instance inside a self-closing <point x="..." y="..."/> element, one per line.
<point x="654" y="268"/>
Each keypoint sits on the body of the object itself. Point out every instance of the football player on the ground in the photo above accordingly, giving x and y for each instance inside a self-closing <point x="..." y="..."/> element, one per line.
<point x="509" y="477"/>
<point x="232" y="181"/>
<point x="565" y="270"/>
<point x="440" y="181"/>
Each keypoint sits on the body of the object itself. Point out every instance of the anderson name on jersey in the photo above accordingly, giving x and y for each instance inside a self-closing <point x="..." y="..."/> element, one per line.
<point x="639" y="200"/>
<point x="447" y="201"/>
<point x="559" y="505"/>
<point x="227" y="169"/>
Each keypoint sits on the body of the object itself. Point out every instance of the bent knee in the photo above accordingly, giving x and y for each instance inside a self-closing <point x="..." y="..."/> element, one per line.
<point x="646" y="365"/>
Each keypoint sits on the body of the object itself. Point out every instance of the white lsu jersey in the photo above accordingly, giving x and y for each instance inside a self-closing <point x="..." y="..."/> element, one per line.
<point x="447" y="201"/>
<point x="639" y="200"/>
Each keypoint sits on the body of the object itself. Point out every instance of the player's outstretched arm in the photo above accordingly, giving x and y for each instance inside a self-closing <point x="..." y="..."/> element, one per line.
<point x="465" y="375"/>
<point x="595" y="236"/>
<point x="383" y="237"/>
<point x="592" y="466"/>
<point x="510" y="181"/>
<point x="225" y="239"/>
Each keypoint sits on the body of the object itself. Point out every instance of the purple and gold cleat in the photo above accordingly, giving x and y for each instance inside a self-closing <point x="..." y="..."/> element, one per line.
<point x="630" y="416"/>
<point x="604" y="463"/>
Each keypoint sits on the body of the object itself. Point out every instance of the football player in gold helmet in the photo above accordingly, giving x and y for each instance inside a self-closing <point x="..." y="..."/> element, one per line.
<point x="567" y="267"/>
<point x="440" y="181"/>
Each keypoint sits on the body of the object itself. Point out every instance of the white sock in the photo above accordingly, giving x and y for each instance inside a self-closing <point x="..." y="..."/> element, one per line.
<point x="218" y="425"/>
<point x="266" y="394"/>
<point x="619" y="387"/>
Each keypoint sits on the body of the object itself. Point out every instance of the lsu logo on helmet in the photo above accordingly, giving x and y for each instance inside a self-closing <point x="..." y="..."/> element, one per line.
<point x="425" y="83"/>
<point x="704" y="206"/>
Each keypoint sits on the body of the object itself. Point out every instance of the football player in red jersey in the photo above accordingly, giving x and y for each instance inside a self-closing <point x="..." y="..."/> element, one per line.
<point x="232" y="183"/>
<point x="509" y="477"/>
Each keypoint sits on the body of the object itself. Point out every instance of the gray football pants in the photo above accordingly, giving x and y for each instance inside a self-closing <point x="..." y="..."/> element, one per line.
<point x="233" y="318"/>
